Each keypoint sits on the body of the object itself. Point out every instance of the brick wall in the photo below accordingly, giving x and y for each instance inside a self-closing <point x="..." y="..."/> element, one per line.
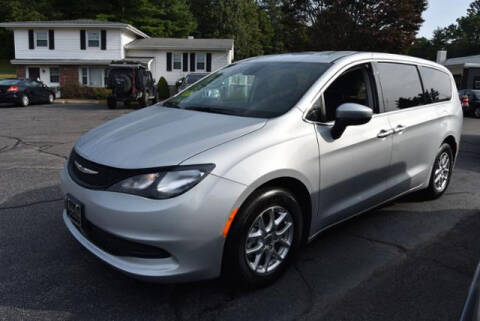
<point x="68" y="74"/>
<point x="21" y="72"/>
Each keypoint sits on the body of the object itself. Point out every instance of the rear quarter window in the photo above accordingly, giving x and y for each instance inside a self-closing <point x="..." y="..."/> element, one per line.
<point x="401" y="86"/>
<point x="437" y="84"/>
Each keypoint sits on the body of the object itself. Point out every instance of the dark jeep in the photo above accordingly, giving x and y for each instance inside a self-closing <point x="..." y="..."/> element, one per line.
<point x="129" y="81"/>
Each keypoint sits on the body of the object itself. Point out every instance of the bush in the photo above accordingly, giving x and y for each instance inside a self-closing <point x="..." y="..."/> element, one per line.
<point x="163" y="90"/>
<point x="78" y="91"/>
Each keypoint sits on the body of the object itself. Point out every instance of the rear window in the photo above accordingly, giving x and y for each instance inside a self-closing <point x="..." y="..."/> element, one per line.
<point x="437" y="84"/>
<point x="10" y="82"/>
<point x="401" y="86"/>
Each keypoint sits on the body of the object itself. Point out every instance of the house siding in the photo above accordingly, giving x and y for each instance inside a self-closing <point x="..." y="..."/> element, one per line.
<point x="67" y="46"/>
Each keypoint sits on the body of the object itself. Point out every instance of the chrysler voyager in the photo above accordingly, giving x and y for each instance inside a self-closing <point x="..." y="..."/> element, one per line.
<point x="233" y="174"/>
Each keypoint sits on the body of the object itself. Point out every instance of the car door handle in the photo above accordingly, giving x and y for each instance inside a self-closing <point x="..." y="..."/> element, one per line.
<point x="385" y="133"/>
<point x="399" y="129"/>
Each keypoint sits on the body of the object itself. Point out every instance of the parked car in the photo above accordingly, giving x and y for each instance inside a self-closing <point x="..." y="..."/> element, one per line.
<point x="189" y="79"/>
<point x="130" y="81"/>
<point x="24" y="92"/>
<point x="470" y="101"/>
<point x="256" y="159"/>
<point x="471" y="310"/>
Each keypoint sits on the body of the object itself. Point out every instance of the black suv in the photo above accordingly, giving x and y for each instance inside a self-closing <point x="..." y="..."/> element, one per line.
<point x="129" y="81"/>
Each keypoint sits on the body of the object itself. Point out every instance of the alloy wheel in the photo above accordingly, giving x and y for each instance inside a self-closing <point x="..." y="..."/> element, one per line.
<point x="25" y="101"/>
<point x="269" y="240"/>
<point x="442" y="172"/>
<point x="476" y="112"/>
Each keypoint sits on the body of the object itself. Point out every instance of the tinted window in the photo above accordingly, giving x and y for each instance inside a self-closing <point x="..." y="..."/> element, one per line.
<point x="351" y="87"/>
<point x="437" y="84"/>
<point x="10" y="82"/>
<point x="254" y="89"/>
<point x="401" y="86"/>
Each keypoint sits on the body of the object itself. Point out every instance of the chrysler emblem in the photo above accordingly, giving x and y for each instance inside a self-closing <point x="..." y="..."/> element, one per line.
<point x="85" y="170"/>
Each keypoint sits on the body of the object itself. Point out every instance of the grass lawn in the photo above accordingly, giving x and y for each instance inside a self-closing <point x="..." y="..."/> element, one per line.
<point x="7" y="70"/>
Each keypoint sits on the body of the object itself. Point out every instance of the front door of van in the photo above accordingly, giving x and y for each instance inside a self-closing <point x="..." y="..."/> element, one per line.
<point x="355" y="167"/>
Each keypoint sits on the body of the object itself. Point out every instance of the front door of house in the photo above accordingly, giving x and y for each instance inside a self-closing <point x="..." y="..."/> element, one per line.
<point x="33" y="73"/>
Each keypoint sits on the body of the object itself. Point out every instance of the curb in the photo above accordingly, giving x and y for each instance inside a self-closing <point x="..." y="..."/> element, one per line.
<point x="79" y="101"/>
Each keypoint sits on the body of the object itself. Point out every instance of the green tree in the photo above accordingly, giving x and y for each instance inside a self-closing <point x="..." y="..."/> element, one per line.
<point x="237" y="19"/>
<point x="160" y="18"/>
<point x="380" y="25"/>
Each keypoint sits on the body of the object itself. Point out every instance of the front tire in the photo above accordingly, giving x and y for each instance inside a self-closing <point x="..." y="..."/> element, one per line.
<point x="476" y="112"/>
<point x="264" y="238"/>
<point x="441" y="173"/>
<point x="51" y="98"/>
<point x="111" y="103"/>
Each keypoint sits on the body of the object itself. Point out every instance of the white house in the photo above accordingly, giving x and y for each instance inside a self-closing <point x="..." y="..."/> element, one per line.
<point x="61" y="52"/>
<point x="465" y="70"/>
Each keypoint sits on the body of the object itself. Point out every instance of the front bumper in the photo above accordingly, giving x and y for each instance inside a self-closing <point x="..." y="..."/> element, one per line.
<point x="188" y="227"/>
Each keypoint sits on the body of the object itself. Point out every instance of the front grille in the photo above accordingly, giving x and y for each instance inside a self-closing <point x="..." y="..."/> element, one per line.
<point x="118" y="246"/>
<point x="104" y="176"/>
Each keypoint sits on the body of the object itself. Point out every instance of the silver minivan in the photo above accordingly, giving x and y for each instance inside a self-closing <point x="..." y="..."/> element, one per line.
<point x="232" y="175"/>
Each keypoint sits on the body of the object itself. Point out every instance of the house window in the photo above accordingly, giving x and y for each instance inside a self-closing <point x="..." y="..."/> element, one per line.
<point x="93" y="39"/>
<point x="54" y="75"/>
<point x="94" y="77"/>
<point x="85" y="76"/>
<point x="177" y="60"/>
<point x="200" y="61"/>
<point x="42" y="38"/>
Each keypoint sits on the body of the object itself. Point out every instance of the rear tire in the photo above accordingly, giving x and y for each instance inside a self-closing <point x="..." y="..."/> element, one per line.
<point x="144" y="100"/>
<point x="24" y="101"/>
<point x="441" y="173"/>
<point x="111" y="103"/>
<point x="258" y="248"/>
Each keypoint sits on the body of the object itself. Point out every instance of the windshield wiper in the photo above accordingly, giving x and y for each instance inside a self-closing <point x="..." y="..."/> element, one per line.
<point x="216" y="110"/>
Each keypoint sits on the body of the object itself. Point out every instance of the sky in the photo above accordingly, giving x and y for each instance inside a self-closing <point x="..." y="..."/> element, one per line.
<point x="441" y="13"/>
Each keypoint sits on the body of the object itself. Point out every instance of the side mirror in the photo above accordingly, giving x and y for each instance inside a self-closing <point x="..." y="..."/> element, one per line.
<point x="350" y="114"/>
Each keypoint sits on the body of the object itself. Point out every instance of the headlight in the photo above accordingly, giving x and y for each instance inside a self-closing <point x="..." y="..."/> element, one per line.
<point x="163" y="184"/>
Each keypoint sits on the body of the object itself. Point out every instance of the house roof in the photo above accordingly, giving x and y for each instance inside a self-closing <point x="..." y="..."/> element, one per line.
<point x="463" y="60"/>
<point x="83" y="62"/>
<point x="181" y="44"/>
<point x="83" y="23"/>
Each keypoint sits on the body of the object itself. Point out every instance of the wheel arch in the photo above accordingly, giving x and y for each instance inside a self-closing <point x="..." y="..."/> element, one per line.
<point x="294" y="186"/>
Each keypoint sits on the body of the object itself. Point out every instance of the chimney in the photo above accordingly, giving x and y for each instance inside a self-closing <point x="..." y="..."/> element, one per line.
<point x="190" y="37"/>
<point x="441" y="56"/>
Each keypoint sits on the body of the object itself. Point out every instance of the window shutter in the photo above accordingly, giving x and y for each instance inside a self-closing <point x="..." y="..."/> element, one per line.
<point x="103" y="40"/>
<point x="83" y="45"/>
<point x="185" y="61"/>
<point x="31" y="44"/>
<point x="169" y="61"/>
<point x="209" y="62"/>
<point x="51" y="39"/>
<point x="192" y="62"/>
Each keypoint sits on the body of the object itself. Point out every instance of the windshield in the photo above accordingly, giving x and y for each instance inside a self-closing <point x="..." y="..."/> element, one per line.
<point x="10" y="82"/>
<point x="251" y="89"/>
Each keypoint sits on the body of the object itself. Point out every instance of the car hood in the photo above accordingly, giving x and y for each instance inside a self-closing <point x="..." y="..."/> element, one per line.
<point x="159" y="136"/>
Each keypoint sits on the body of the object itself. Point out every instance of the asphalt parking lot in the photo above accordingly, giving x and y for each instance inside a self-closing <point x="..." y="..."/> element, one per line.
<point x="408" y="260"/>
